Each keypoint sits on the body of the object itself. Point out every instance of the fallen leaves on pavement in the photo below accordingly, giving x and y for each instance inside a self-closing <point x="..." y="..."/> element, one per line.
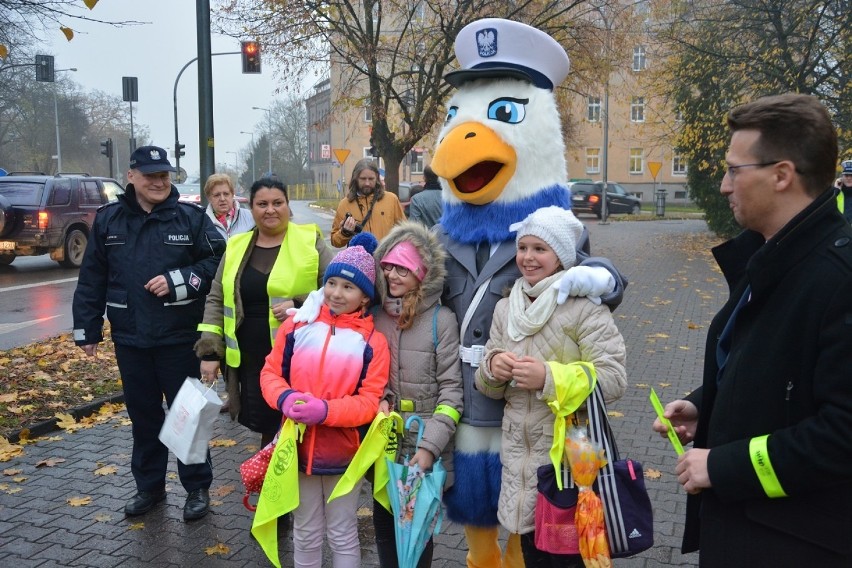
<point x="218" y="548"/>
<point x="49" y="462"/>
<point x="79" y="501"/>
<point x="53" y="375"/>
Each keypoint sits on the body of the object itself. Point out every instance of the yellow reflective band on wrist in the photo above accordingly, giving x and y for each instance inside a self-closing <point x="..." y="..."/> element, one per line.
<point x="208" y="327"/>
<point x="763" y="467"/>
<point x="406" y="405"/>
<point x="454" y="414"/>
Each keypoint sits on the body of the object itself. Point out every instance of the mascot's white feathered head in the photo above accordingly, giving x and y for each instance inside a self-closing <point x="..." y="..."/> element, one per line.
<point x="500" y="153"/>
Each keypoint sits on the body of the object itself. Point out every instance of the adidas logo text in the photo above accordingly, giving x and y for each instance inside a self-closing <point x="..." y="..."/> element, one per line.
<point x="635" y="534"/>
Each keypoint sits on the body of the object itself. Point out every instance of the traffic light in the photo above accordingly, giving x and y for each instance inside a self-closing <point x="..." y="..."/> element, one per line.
<point x="251" y="56"/>
<point x="106" y="148"/>
<point x="44" y="68"/>
<point x="179" y="149"/>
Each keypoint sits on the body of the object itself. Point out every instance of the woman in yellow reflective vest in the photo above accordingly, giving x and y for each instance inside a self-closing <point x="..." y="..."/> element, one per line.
<point x="263" y="273"/>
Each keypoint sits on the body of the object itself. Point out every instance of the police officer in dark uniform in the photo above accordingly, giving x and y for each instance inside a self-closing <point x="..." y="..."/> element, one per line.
<point x="149" y="262"/>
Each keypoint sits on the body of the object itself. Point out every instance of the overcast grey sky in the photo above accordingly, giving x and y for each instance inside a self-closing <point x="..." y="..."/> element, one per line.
<point x="155" y="53"/>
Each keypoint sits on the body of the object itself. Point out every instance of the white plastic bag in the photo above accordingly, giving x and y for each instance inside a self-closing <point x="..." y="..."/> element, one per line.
<point x="189" y="422"/>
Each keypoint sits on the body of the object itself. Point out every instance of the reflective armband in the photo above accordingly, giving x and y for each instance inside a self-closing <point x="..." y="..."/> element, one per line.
<point x="208" y="327"/>
<point x="763" y="467"/>
<point x="448" y="411"/>
<point x="406" y="405"/>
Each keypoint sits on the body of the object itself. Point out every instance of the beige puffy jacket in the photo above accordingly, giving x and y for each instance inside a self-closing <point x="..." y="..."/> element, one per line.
<point x="578" y="330"/>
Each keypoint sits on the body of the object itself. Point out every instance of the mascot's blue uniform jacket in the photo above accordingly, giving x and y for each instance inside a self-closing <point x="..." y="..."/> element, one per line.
<point x="128" y="247"/>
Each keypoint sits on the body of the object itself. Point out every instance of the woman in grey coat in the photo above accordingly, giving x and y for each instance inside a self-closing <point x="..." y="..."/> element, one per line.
<point x="425" y="371"/>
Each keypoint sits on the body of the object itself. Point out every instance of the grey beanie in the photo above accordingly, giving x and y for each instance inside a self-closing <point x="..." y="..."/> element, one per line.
<point x="556" y="226"/>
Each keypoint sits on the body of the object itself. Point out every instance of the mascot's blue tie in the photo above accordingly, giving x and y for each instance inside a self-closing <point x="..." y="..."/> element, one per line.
<point x="723" y="346"/>
<point x="483" y="252"/>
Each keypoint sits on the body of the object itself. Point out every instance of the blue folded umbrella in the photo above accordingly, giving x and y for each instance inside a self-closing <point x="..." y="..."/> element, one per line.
<point x="415" y="498"/>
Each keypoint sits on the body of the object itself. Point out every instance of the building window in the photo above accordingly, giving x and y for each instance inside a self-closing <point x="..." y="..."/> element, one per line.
<point x="639" y="58"/>
<point x="680" y="195"/>
<point x="416" y="161"/>
<point x="593" y="160"/>
<point x="637" y="161"/>
<point x="594" y="113"/>
<point x="679" y="165"/>
<point x="637" y="109"/>
<point x="419" y="12"/>
<point x="368" y="113"/>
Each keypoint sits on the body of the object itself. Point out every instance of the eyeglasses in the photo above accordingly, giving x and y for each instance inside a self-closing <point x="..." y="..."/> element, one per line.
<point x="731" y="171"/>
<point x="401" y="271"/>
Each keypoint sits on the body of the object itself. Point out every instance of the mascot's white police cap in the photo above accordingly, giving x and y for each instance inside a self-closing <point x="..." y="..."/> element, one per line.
<point x="494" y="48"/>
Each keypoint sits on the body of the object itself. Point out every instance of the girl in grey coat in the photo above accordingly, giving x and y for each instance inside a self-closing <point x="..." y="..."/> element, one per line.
<point x="425" y="371"/>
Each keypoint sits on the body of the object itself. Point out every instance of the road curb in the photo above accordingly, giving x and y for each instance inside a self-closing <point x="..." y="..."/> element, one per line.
<point x="48" y="426"/>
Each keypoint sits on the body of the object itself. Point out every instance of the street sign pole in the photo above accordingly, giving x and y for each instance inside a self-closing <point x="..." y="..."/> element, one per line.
<point x="341" y="154"/>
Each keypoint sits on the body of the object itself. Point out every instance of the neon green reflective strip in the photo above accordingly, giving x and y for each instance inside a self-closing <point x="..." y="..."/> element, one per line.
<point x="208" y="327"/>
<point x="763" y="467"/>
<point x="449" y="411"/>
<point x="406" y="405"/>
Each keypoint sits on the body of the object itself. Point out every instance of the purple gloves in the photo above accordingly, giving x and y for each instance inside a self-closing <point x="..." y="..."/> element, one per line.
<point x="289" y="401"/>
<point x="307" y="409"/>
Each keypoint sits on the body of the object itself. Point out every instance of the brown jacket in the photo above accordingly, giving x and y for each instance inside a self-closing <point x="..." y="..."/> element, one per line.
<point x="387" y="212"/>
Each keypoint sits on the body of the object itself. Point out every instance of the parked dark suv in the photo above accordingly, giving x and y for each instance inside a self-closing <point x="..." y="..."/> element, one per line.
<point x="586" y="198"/>
<point x="41" y="214"/>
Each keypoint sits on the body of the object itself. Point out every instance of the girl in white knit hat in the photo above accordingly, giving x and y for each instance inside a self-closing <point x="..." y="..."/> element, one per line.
<point x="538" y="348"/>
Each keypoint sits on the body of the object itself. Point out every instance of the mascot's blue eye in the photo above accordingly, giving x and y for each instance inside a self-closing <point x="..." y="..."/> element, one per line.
<point x="508" y="110"/>
<point x="451" y="113"/>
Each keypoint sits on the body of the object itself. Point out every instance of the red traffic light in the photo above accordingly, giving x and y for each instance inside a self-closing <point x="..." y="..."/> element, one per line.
<point x="251" y="56"/>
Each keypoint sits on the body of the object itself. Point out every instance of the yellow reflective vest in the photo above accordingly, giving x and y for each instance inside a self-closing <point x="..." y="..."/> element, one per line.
<point x="293" y="274"/>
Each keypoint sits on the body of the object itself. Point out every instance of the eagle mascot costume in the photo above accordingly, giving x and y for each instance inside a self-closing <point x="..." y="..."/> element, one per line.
<point x="500" y="156"/>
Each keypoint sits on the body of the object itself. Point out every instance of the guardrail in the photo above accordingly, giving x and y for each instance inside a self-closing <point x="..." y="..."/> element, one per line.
<point x="313" y="191"/>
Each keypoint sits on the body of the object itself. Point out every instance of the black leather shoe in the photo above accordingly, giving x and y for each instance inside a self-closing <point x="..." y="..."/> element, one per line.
<point x="197" y="504"/>
<point x="143" y="502"/>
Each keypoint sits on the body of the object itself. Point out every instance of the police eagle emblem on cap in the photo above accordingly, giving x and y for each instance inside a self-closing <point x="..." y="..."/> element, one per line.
<point x="155" y="155"/>
<point x="486" y="42"/>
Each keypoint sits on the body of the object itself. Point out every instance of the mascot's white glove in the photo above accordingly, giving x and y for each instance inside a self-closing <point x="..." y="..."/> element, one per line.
<point x="590" y="281"/>
<point x="310" y="309"/>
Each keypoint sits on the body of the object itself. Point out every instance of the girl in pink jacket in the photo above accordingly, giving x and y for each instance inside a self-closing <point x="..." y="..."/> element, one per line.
<point x="330" y="375"/>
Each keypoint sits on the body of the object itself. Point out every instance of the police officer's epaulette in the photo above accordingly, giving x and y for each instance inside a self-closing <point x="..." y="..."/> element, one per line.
<point x="191" y="204"/>
<point x="105" y="205"/>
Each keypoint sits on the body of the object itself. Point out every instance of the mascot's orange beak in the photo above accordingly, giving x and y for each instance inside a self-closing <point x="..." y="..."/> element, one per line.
<point x="475" y="161"/>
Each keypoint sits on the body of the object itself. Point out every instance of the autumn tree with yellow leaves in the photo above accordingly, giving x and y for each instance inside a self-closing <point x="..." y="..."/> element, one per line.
<point x="722" y="54"/>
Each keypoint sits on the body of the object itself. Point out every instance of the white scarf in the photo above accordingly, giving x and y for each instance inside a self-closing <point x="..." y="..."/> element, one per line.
<point x="527" y="317"/>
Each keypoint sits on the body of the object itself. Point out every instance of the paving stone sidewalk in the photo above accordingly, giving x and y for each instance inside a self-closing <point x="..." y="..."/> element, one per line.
<point x="674" y="291"/>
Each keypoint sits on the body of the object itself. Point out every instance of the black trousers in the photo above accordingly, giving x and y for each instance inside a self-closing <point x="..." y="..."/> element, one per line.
<point x="147" y="375"/>
<point x="383" y="524"/>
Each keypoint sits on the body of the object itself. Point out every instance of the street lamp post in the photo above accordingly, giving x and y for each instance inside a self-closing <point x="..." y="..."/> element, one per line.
<point x="269" y="135"/>
<point x="236" y="157"/>
<point x="56" y="122"/>
<point x="253" y="174"/>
